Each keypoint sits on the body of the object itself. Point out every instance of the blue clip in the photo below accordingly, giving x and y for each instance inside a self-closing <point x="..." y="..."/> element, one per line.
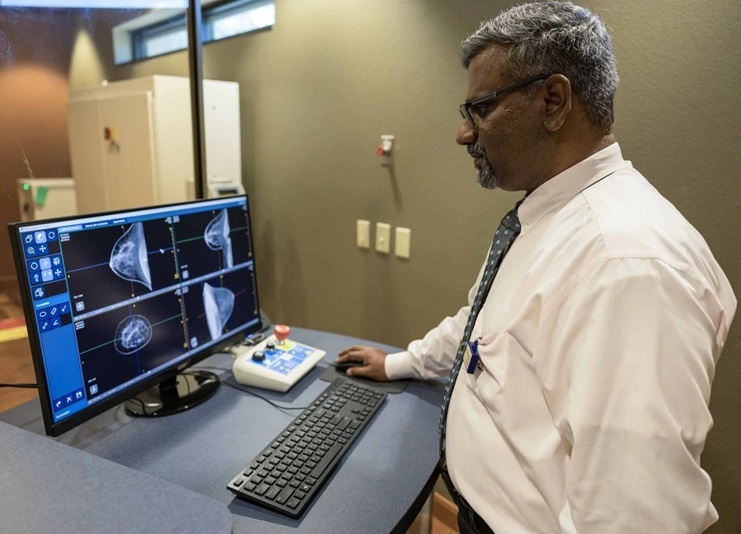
<point x="472" y="356"/>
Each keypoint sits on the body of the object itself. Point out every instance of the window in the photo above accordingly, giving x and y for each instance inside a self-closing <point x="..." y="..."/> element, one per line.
<point x="238" y="17"/>
<point x="162" y="38"/>
<point x="160" y="32"/>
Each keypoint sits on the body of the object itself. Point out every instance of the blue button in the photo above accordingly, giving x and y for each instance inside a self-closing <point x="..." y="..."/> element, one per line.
<point x="38" y="292"/>
<point x="47" y="275"/>
<point x="58" y="404"/>
<point x="58" y="273"/>
<point x="56" y="260"/>
<point x="35" y="278"/>
<point x="30" y="251"/>
<point x="45" y="263"/>
<point x="40" y="237"/>
<point x="33" y="265"/>
<point x="51" y="235"/>
<point x="27" y="239"/>
<point x="42" y="249"/>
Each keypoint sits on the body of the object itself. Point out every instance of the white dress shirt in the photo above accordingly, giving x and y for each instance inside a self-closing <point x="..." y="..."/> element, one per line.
<point x="599" y="340"/>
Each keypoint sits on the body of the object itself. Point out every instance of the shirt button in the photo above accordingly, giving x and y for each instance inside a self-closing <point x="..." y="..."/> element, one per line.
<point x="525" y="228"/>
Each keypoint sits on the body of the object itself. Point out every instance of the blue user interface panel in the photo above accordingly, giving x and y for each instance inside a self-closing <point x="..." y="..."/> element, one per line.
<point x="120" y="297"/>
<point x="283" y="359"/>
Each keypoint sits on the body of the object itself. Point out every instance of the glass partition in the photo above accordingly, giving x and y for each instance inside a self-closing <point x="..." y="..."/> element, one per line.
<point x="86" y="127"/>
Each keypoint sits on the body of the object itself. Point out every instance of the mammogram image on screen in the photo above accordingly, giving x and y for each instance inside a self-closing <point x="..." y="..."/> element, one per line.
<point x="120" y="344"/>
<point x="217" y="237"/>
<point x="116" y="263"/>
<point x="130" y="257"/>
<point x="220" y="304"/>
<point x="132" y="334"/>
<point x="211" y="241"/>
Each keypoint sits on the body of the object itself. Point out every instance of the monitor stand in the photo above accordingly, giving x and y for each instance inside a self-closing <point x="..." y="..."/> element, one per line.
<point x="175" y="394"/>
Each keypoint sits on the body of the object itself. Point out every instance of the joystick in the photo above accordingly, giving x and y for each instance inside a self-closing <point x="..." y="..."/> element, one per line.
<point x="281" y="332"/>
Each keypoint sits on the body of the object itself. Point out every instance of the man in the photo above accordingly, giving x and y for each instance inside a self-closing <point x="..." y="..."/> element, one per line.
<point x="597" y="341"/>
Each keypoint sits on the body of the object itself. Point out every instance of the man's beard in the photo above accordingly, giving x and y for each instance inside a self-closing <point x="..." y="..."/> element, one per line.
<point x="486" y="177"/>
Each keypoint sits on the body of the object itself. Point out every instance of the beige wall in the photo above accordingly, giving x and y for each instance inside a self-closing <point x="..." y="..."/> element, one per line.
<point x="319" y="89"/>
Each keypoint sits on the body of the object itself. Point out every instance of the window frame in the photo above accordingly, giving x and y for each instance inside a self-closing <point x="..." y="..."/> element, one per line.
<point x="130" y="39"/>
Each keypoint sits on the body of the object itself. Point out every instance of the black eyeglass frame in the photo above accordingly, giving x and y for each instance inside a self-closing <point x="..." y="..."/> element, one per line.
<point x="465" y="108"/>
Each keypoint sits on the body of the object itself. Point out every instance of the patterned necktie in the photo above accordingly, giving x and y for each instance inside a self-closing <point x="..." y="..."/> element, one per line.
<point x="508" y="229"/>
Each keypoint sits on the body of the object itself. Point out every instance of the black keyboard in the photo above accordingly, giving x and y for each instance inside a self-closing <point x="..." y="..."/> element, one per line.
<point x="290" y="472"/>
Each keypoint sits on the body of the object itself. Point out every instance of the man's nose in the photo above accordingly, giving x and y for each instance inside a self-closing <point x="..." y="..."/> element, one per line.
<point x="466" y="135"/>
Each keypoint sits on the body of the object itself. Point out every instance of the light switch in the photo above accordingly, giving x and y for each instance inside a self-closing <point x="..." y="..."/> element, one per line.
<point x="363" y="233"/>
<point x="383" y="237"/>
<point x="403" y="242"/>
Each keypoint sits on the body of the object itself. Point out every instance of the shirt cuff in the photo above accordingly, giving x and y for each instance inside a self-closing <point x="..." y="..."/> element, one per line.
<point x="398" y="365"/>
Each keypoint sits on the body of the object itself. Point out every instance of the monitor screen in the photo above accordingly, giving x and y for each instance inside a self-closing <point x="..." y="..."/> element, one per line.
<point x="119" y="302"/>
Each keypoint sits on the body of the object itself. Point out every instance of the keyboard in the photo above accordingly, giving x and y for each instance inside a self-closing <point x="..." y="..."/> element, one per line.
<point x="289" y="473"/>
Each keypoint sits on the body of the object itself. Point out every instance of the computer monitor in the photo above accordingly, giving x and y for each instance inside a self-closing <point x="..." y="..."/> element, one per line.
<point x="119" y="302"/>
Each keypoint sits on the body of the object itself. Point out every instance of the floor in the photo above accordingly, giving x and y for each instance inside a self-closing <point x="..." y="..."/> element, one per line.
<point x="16" y="366"/>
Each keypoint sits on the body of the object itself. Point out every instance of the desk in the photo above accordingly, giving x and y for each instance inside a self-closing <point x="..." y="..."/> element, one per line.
<point x="379" y="486"/>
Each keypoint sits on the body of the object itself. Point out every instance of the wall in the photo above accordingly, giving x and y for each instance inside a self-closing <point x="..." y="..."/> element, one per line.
<point x="319" y="89"/>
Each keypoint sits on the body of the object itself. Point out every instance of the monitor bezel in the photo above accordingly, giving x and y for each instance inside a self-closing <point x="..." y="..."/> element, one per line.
<point x="56" y="429"/>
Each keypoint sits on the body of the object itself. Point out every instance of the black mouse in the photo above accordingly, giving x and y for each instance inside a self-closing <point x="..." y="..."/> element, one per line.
<point x="344" y="366"/>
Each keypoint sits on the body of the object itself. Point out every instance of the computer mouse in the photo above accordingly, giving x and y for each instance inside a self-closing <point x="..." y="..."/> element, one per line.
<point x="344" y="366"/>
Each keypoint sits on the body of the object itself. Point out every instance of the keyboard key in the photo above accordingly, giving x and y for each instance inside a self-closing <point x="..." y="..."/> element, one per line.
<point x="284" y="495"/>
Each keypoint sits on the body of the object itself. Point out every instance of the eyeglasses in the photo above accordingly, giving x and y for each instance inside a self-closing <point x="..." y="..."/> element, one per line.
<point x="477" y="106"/>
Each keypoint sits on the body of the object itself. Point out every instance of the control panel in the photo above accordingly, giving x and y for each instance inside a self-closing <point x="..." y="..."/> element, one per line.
<point x="276" y="363"/>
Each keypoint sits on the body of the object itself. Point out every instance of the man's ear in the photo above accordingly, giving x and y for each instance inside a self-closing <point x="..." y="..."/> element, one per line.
<point x="557" y="99"/>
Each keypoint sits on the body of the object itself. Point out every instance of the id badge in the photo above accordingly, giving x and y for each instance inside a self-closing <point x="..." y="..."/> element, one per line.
<point x="471" y="359"/>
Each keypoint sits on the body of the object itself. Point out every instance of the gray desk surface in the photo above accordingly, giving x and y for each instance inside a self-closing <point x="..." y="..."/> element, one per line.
<point x="49" y="487"/>
<point x="378" y="486"/>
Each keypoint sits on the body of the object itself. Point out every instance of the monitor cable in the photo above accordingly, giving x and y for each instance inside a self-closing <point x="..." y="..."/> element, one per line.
<point x="30" y="386"/>
<point x="245" y="390"/>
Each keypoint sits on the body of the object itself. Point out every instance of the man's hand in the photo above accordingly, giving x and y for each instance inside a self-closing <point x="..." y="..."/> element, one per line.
<point x="372" y="359"/>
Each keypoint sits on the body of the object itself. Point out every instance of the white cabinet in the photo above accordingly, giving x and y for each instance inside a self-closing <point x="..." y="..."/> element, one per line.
<point x="131" y="142"/>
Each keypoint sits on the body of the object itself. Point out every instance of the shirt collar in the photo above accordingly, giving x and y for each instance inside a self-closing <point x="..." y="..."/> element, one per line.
<point x="557" y="191"/>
